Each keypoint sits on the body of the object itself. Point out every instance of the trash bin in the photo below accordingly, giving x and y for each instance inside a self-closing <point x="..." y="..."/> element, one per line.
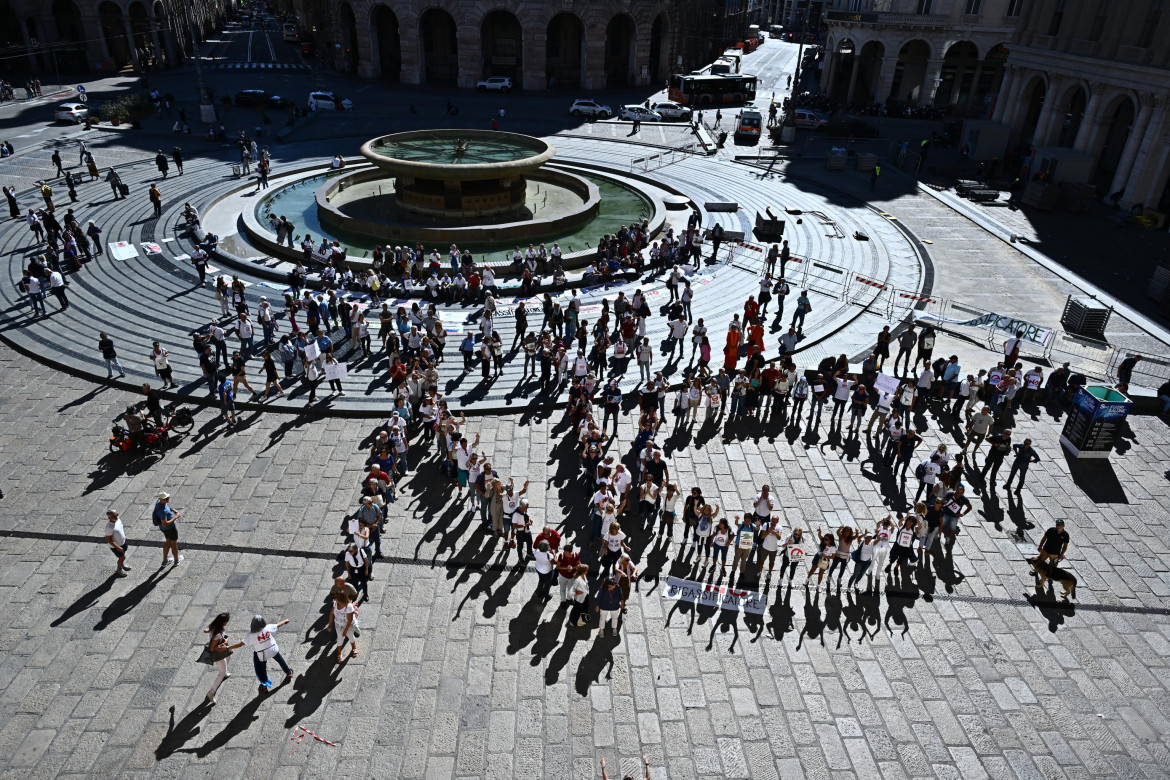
<point x="1091" y="428"/>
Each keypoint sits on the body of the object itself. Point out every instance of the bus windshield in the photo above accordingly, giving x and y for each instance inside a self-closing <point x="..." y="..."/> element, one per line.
<point x="701" y="90"/>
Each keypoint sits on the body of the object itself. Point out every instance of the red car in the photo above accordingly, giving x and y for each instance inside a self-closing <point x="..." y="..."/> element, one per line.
<point x="307" y="49"/>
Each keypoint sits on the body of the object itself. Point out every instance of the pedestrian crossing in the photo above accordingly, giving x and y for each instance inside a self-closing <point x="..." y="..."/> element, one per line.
<point x="260" y="66"/>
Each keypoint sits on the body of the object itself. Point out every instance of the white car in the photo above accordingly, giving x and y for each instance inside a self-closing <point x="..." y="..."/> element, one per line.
<point x="811" y="120"/>
<point x="672" y="111"/>
<point x="640" y="113"/>
<point x="495" y="84"/>
<point x="327" y="101"/>
<point x="590" y="108"/>
<point x="71" y="112"/>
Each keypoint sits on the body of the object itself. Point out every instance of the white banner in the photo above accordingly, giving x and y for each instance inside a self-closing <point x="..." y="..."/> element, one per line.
<point x="720" y="596"/>
<point x="312" y="351"/>
<point x="884" y="383"/>
<point x="1001" y="322"/>
<point x="336" y="370"/>
<point x="123" y="250"/>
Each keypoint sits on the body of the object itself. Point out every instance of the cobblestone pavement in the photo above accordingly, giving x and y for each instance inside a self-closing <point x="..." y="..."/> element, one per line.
<point x="964" y="673"/>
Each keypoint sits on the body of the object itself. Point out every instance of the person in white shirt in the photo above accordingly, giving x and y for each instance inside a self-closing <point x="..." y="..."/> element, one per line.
<point x="865" y="554"/>
<point x="545" y="566"/>
<point x="978" y="428"/>
<point x="883" y="536"/>
<point x="841" y="393"/>
<point x="645" y="354"/>
<point x="622" y="480"/>
<point x="930" y="471"/>
<point x="262" y="642"/>
<point x="678" y="330"/>
<point x="344" y="619"/>
<point x="116" y="538"/>
<point x="770" y="535"/>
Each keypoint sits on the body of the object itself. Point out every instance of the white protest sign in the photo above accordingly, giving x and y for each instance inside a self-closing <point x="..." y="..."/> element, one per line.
<point x="312" y="351"/>
<point x="885" y="383"/>
<point x="336" y="370"/>
<point x="123" y="250"/>
<point x="704" y="594"/>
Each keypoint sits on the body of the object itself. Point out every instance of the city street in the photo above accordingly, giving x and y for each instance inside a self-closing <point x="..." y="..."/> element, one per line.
<point x="958" y="664"/>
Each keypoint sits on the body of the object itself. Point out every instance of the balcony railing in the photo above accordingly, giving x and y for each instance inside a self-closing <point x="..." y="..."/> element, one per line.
<point x="1010" y="21"/>
<point x="889" y="19"/>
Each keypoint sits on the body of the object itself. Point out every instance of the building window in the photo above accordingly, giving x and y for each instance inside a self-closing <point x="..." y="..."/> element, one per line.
<point x="1015" y="7"/>
<point x="972" y="7"/>
<point x="924" y="6"/>
<point x="1100" y="21"/>
<point x="1153" y="18"/>
<point x="1057" y="18"/>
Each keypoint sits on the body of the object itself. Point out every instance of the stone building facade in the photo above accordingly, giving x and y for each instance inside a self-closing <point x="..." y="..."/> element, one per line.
<point x="944" y="53"/>
<point x="1093" y="77"/>
<point x="96" y="36"/>
<point x="570" y="44"/>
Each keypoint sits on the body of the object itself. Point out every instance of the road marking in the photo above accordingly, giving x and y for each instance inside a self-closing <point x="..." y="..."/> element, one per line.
<point x="249" y="47"/>
<point x="271" y="48"/>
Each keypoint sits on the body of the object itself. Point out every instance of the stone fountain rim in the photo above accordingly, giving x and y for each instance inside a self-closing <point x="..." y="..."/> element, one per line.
<point x="543" y="151"/>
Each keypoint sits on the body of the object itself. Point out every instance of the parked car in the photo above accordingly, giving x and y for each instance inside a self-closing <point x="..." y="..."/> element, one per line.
<point x="673" y="111"/>
<point x="495" y="84"/>
<point x="590" y="108"/>
<point x="71" y="112"/>
<point x="639" y="112"/>
<point x="810" y="119"/>
<point x="260" y="98"/>
<point x="328" y="101"/>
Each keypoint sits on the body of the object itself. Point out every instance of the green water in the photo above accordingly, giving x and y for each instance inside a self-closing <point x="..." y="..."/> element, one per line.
<point x="620" y="205"/>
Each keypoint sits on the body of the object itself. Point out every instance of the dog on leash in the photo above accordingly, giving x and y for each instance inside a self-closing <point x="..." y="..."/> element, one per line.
<point x="1050" y="572"/>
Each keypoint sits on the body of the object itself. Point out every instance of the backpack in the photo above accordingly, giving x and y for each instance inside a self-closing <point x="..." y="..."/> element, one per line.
<point x="920" y="471"/>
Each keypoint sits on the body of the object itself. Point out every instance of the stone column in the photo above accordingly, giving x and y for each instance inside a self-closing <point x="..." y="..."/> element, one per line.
<point x="410" y="49"/>
<point x="974" y="86"/>
<point x="535" y="43"/>
<point x="1152" y="178"/>
<point x="885" y="79"/>
<point x="827" y="72"/>
<point x="1009" y="92"/>
<point x="470" y="54"/>
<point x="930" y="82"/>
<point x="131" y="42"/>
<point x="1090" y="127"/>
<point x="594" y="75"/>
<point x="1048" y="113"/>
<point x="1137" y="145"/>
<point x="853" y="78"/>
<point x="365" y="49"/>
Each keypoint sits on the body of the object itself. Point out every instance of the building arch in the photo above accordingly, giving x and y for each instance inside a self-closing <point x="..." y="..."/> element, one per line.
<point x="1116" y="125"/>
<point x="113" y="26"/>
<point x="909" y="70"/>
<point x="440" y="47"/>
<point x="564" y="51"/>
<point x="621" y="47"/>
<point x="502" y="45"/>
<point x="660" y="67"/>
<point x="386" y="42"/>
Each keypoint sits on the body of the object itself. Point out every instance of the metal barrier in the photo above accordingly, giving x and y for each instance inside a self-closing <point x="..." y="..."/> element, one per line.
<point x="1095" y="359"/>
<point x="661" y="159"/>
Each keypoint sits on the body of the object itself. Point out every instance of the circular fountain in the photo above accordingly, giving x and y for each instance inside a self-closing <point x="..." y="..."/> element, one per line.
<point x="465" y="187"/>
